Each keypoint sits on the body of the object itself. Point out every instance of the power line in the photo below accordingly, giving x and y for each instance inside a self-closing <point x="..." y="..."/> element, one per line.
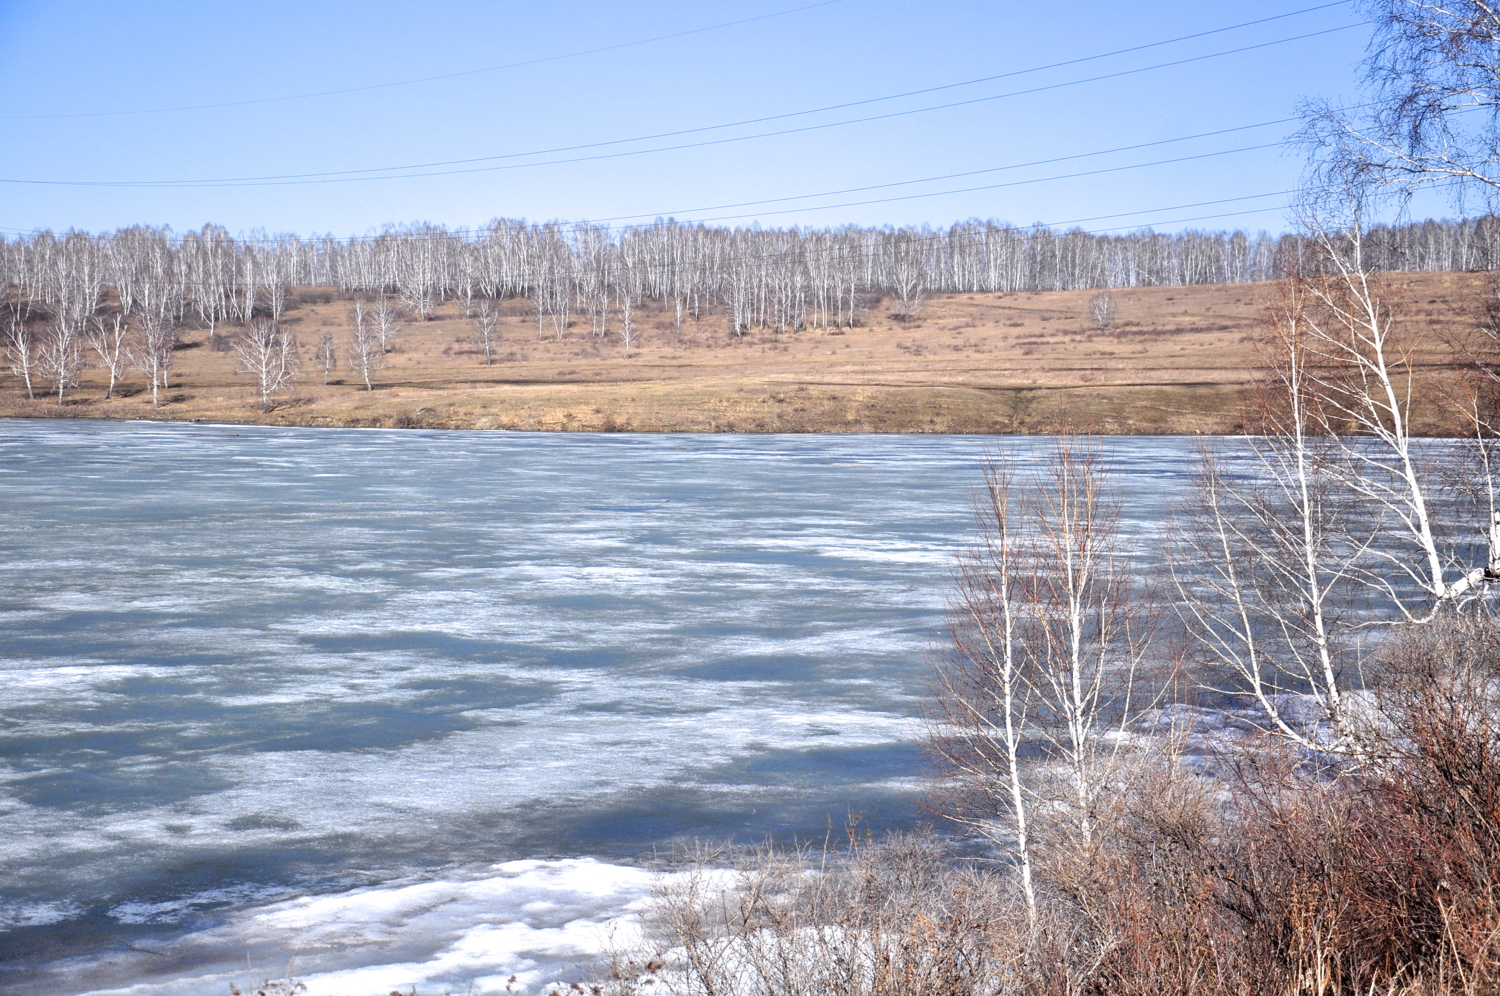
<point x="1180" y="207"/>
<point x="953" y="176"/>
<point x="1010" y="183"/>
<point x="1182" y="221"/>
<point x="443" y="76"/>
<point x="936" y="193"/>
<point x="460" y="232"/>
<point x="346" y="176"/>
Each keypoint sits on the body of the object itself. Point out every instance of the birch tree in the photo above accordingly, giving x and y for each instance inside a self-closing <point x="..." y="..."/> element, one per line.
<point x="626" y="297"/>
<point x="268" y="353"/>
<point x="151" y="350"/>
<point x="984" y="696"/>
<point x="1102" y="309"/>
<point x="383" y="320"/>
<point x="366" y="352"/>
<point x="326" y="355"/>
<point x="107" y="337"/>
<point x="1268" y="567"/>
<point x="1431" y="68"/>
<point x="1046" y="666"/>
<point x="60" y="356"/>
<point x="776" y="279"/>
<point x="908" y="271"/>
<point x="21" y="350"/>
<point x="1337" y="527"/>
<point x="1367" y="382"/>
<point x="485" y="320"/>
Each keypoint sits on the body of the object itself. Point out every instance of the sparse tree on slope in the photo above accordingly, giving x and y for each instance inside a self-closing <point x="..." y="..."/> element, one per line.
<point x="21" y="350"/>
<point x="1102" y="309"/>
<point x="485" y="320"/>
<point x="327" y="355"/>
<point x="366" y="354"/>
<point x="151" y="351"/>
<point x="107" y="336"/>
<point x="268" y="353"/>
<point x="60" y="358"/>
<point x="383" y="322"/>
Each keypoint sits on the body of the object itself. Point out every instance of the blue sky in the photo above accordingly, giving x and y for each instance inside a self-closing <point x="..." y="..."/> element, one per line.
<point x="70" y="68"/>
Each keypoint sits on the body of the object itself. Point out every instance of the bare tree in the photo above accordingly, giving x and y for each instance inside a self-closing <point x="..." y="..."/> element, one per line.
<point x="60" y="358"/>
<point x="152" y="349"/>
<point x="108" y="337"/>
<point x="1049" y="632"/>
<point x="210" y="266"/>
<point x="1366" y="381"/>
<point x="625" y="298"/>
<point x="268" y="352"/>
<point x="1088" y="626"/>
<point x="326" y="354"/>
<point x="739" y="295"/>
<point x="983" y="697"/>
<point x="383" y="321"/>
<point x="908" y="262"/>
<point x="767" y="278"/>
<point x="485" y="319"/>
<point x="366" y="353"/>
<point x="1270" y="553"/>
<point x="1431" y="66"/>
<point x="1332" y="527"/>
<point x="21" y="350"/>
<point x="1102" y="309"/>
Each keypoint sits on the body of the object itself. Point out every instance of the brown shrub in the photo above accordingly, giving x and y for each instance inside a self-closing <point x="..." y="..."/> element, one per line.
<point x="1372" y="873"/>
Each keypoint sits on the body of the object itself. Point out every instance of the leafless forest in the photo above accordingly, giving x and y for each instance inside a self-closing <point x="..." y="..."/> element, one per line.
<point x="119" y="300"/>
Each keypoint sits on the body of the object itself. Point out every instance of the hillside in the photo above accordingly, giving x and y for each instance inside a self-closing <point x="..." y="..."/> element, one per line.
<point x="1176" y="360"/>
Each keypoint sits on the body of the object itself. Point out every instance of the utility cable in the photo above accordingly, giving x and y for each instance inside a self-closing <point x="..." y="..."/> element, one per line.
<point x="443" y="76"/>
<point x="949" y="176"/>
<point x="344" y="176"/>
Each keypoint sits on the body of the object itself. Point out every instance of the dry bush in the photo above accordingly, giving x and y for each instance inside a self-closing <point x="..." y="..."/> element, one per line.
<point x="1386" y="875"/>
<point x="902" y="916"/>
<point x="1146" y="900"/>
<point x="1134" y="912"/>
<point x="1294" y="873"/>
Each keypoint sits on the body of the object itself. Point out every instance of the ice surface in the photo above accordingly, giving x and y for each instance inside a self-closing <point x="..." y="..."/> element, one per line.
<point x="541" y="922"/>
<point x="247" y="663"/>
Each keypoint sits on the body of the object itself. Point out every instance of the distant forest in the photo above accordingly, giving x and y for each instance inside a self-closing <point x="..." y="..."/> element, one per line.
<point x="782" y="278"/>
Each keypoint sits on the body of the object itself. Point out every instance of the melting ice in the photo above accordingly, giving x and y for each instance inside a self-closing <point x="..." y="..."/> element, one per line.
<point x="412" y="707"/>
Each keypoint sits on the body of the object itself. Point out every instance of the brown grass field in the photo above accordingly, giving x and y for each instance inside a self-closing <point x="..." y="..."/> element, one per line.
<point x="1178" y="360"/>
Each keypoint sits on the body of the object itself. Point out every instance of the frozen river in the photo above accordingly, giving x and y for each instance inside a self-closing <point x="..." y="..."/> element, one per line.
<point x="412" y="706"/>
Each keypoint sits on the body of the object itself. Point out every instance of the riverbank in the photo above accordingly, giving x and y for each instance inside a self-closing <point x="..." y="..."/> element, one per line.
<point x="1176" y="360"/>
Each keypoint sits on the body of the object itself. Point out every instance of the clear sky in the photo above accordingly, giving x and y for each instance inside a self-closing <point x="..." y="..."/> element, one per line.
<point x="131" y="91"/>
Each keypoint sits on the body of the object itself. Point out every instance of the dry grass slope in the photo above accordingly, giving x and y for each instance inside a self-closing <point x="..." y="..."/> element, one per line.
<point x="1175" y="360"/>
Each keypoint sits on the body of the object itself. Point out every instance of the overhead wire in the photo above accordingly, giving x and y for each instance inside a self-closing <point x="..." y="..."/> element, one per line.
<point x="906" y="197"/>
<point x="998" y="186"/>
<point x="391" y="172"/>
<point x="616" y="228"/>
<point x="430" y="79"/>
<point x="954" y="176"/>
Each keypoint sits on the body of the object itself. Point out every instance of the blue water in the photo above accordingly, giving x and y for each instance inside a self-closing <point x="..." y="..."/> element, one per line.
<point x="242" y="665"/>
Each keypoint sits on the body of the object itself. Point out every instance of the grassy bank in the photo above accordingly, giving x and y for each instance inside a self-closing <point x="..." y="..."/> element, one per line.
<point x="1175" y="360"/>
